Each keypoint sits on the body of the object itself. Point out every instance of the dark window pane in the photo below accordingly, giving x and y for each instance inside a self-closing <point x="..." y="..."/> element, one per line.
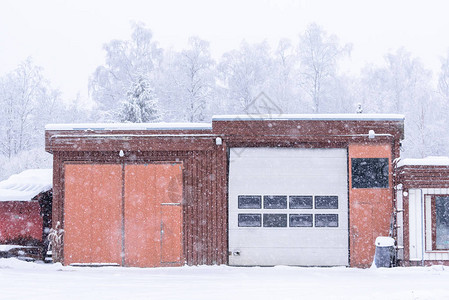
<point x="274" y="220"/>
<point x="442" y="222"/>
<point x="303" y="220"/>
<point x="326" y="202"/>
<point x="250" y="220"/>
<point x="369" y="172"/>
<point x="275" y="202"/>
<point x="300" y="202"/>
<point x="326" y="220"/>
<point x="247" y="202"/>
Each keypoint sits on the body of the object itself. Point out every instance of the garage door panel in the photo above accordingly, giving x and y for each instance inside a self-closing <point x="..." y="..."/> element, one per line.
<point x="342" y="223"/>
<point x="289" y="172"/>
<point x="142" y="225"/>
<point x="97" y="227"/>
<point x="92" y="214"/>
<point x="303" y="238"/>
<point x="171" y="235"/>
<point x="238" y="153"/>
<point x="290" y="256"/>
<point x="169" y="183"/>
<point x="153" y="228"/>
<point x="282" y="187"/>
<point x="296" y="167"/>
<point x="291" y="185"/>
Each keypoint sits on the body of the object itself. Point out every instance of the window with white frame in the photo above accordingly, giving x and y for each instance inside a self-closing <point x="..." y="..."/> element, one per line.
<point x="437" y="222"/>
<point x="440" y="222"/>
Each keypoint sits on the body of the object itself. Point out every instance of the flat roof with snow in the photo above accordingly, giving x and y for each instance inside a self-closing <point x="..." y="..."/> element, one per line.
<point x="427" y="161"/>
<point x="130" y="126"/>
<point x="26" y="185"/>
<point x="208" y="126"/>
<point x="330" y="117"/>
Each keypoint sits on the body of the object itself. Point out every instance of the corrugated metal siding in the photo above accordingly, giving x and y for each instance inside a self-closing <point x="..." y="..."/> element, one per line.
<point x="205" y="232"/>
<point x="423" y="176"/>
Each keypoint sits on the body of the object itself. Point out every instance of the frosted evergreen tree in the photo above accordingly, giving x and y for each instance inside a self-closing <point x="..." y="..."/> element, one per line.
<point x="125" y="62"/>
<point x="141" y="105"/>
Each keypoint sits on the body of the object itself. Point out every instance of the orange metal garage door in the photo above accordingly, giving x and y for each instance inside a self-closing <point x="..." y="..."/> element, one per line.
<point x="153" y="220"/>
<point x="93" y="213"/>
<point x="148" y="230"/>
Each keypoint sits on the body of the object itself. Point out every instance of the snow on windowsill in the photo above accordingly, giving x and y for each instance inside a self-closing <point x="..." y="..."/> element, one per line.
<point x="26" y="185"/>
<point x="427" y="161"/>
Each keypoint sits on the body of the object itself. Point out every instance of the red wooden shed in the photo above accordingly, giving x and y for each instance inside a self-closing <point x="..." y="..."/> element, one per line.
<point x="24" y="197"/>
<point x="244" y="190"/>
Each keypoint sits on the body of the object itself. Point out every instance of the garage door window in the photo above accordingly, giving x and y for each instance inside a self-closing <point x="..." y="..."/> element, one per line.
<point x="250" y="220"/>
<point x="301" y="202"/>
<point x="296" y="203"/>
<point x="274" y="220"/>
<point x="326" y="220"/>
<point x="250" y="202"/>
<point x="275" y="202"/>
<point x="301" y="220"/>
<point x="326" y="202"/>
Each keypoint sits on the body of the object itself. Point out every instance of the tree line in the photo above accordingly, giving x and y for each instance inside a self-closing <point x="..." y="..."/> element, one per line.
<point x="141" y="82"/>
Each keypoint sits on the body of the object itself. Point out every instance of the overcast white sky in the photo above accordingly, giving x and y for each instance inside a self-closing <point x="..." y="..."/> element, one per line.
<point x="66" y="37"/>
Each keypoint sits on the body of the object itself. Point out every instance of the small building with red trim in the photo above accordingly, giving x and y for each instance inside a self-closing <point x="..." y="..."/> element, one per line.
<point x="423" y="210"/>
<point x="25" y="212"/>
<point x="308" y="190"/>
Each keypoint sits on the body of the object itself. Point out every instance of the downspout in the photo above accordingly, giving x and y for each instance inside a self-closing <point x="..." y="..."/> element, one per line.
<point x="422" y="228"/>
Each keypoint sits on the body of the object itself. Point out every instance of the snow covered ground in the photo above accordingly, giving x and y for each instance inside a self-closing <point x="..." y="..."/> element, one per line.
<point x="25" y="280"/>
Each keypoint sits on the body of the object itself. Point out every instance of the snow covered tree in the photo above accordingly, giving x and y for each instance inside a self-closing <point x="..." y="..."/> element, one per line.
<point x="244" y="74"/>
<point x="141" y="104"/>
<point x="403" y="85"/>
<point x="443" y="78"/>
<point x="319" y="54"/>
<point x="126" y="61"/>
<point x="283" y="85"/>
<point x="27" y="103"/>
<point x="188" y="83"/>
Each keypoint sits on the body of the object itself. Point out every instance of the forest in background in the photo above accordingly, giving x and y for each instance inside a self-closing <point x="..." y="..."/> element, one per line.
<point x="141" y="82"/>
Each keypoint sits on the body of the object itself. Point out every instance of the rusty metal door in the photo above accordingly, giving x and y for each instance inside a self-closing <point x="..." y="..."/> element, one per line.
<point x="123" y="214"/>
<point x="142" y="224"/>
<point x="169" y="184"/>
<point x="153" y="218"/>
<point x="93" y="213"/>
<point x="171" y="238"/>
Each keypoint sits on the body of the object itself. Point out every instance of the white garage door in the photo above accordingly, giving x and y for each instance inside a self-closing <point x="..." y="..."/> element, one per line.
<point x="288" y="207"/>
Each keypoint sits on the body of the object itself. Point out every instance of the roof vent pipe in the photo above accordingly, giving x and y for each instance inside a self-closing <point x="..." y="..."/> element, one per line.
<point x="218" y="141"/>
<point x="371" y="134"/>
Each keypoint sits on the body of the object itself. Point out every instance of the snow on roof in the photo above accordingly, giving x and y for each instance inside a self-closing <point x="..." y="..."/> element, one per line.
<point x="333" y="117"/>
<point x="206" y="126"/>
<point x="428" y="161"/>
<point x="130" y="126"/>
<point x="26" y="185"/>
